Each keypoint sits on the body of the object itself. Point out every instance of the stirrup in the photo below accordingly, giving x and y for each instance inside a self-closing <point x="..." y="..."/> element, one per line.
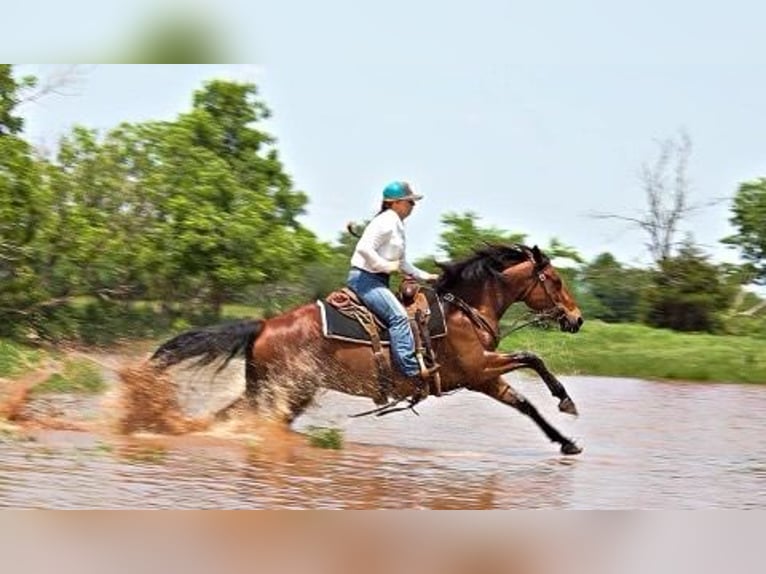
<point x="428" y="372"/>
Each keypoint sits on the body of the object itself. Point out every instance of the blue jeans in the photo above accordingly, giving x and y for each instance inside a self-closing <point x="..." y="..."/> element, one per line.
<point x="372" y="288"/>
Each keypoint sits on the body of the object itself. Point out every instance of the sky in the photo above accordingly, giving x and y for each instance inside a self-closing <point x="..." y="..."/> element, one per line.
<point x="533" y="115"/>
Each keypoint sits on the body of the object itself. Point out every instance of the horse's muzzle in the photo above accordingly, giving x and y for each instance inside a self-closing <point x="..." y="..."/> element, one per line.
<point x="570" y="323"/>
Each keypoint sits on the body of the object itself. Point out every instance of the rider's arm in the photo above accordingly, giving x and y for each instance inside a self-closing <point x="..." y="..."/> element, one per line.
<point x="409" y="269"/>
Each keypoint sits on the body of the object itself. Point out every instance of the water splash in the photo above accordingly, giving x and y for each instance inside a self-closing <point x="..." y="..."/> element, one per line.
<point x="150" y="403"/>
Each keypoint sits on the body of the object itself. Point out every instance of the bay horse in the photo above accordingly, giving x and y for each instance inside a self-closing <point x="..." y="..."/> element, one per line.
<point x="287" y="359"/>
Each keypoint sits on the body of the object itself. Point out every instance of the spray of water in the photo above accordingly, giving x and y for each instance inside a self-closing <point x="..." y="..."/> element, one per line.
<point x="150" y="403"/>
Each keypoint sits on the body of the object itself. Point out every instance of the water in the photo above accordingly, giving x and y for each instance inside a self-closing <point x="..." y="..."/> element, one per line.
<point x="647" y="445"/>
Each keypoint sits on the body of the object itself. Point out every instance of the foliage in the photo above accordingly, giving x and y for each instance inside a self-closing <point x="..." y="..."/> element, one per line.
<point x="15" y="359"/>
<point x="76" y="376"/>
<point x="747" y="315"/>
<point x="24" y="219"/>
<point x="10" y="97"/>
<point x="226" y="213"/>
<point x="749" y="218"/>
<point x="189" y="213"/>
<point x="688" y="293"/>
<point x="325" y="437"/>
<point x="613" y="291"/>
<point x="463" y="234"/>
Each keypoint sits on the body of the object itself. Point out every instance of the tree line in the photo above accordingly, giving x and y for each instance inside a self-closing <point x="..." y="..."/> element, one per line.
<point x="156" y="225"/>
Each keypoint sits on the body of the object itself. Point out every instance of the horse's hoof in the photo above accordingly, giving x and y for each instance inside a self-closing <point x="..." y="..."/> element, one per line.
<point x="570" y="448"/>
<point x="567" y="406"/>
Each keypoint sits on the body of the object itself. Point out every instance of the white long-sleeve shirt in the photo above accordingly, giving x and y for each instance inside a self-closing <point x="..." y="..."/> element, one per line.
<point x="382" y="245"/>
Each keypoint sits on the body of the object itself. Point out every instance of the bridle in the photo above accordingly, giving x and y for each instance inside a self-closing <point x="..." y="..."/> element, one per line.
<point x="539" y="277"/>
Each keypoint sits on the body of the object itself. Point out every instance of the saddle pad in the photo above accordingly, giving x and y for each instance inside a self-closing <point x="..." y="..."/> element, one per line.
<point x="335" y="325"/>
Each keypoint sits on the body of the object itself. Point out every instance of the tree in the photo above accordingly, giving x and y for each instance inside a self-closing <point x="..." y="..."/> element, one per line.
<point x="749" y="218"/>
<point x="688" y="293"/>
<point x="100" y="207"/>
<point x="615" y="290"/>
<point x="463" y="234"/>
<point x="10" y="97"/>
<point x="23" y="216"/>
<point x="226" y="211"/>
<point x="24" y="212"/>
<point x="666" y="186"/>
<point x="189" y="212"/>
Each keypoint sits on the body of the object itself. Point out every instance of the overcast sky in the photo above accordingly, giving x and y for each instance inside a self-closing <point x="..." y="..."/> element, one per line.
<point x="531" y="114"/>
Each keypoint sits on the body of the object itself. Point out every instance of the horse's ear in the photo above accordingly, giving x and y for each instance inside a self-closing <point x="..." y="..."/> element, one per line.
<point x="536" y="255"/>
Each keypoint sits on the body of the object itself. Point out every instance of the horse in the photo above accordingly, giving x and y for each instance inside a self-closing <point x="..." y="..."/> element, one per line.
<point x="287" y="359"/>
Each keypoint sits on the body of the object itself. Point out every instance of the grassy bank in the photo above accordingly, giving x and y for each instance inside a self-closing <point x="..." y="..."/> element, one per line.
<point x="16" y="359"/>
<point x="640" y="351"/>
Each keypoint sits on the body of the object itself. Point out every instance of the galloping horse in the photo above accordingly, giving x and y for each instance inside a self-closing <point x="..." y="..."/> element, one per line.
<point x="290" y="352"/>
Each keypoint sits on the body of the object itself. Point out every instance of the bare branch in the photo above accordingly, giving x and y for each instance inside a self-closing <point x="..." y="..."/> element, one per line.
<point x="666" y="187"/>
<point x="753" y="310"/>
<point x="59" y="82"/>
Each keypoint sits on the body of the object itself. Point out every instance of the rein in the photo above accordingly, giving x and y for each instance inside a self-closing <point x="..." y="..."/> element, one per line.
<point x="474" y="316"/>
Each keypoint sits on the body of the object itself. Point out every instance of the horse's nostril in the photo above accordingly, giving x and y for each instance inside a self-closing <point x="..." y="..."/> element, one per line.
<point x="580" y="321"/>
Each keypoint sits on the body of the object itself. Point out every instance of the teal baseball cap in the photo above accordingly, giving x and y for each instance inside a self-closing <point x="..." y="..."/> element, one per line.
<point x="399" y="190"/>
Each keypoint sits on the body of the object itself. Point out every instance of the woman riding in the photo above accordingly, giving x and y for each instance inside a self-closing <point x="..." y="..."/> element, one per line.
<point x="380" y="252"/>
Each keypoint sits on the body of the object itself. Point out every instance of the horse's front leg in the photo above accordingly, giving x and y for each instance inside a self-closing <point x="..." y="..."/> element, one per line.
<point x="497" y="364"/>
<point x="503" y="392"/>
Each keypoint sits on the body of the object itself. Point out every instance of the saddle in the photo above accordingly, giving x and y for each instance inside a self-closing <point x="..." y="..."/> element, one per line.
<point x="345" y="317"/>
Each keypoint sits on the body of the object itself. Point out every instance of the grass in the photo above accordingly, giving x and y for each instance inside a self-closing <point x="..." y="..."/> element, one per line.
<point x="77" y="376"/>
<point x="633" y="350"/>
<point x="17" y="359"/>
<point x="325" y="437"/>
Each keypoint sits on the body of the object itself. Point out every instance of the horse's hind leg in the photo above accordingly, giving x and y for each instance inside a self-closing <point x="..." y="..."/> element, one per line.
<point x="503" y="392"/>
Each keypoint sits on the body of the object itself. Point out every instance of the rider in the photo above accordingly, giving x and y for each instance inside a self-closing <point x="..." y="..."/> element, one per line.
<point x="379" y="252"/>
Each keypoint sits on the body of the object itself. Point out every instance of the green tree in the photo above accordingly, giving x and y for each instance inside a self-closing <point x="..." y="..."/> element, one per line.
<point x="688" y="293"/>
<point x="614" y="291"/>
<point x="10" y="97"/>
<point x="749" y="218"/>
<point x="226" y="211"/>
<point x="463" y="234"/>
<point x="23" y="216"/>
<point x="24" y="213"/>
<point x="100" y="208"/>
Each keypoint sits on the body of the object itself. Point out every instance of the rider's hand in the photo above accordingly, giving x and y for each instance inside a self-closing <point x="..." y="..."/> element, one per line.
<point x="393" y="266"/>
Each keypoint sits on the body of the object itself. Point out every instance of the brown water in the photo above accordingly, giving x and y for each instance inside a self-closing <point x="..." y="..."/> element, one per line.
<point x="647" y="445"/>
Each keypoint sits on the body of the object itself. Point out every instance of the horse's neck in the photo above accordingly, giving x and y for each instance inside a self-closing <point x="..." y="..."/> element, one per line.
<point x="488" y="302"/>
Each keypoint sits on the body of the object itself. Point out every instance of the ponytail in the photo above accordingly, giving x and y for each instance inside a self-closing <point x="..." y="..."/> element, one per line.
<point x="384" y="206"/>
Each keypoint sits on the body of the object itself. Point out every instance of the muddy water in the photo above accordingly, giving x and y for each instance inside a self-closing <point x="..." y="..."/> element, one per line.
<point x="647" y="445"/>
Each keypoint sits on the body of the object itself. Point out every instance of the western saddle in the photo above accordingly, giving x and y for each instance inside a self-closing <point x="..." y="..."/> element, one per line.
<point x="412" y="295"/>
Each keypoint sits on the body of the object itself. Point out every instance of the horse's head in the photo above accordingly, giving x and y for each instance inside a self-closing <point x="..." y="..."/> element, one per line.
<point x="543" y="290"/>
<point x="520" y="273"/>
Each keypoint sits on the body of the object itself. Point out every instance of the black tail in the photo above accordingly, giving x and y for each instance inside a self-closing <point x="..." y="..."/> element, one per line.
<point x="210" y="344"/>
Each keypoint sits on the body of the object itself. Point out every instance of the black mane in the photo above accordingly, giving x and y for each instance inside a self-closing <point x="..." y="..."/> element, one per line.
<point x="485" y="264"/>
